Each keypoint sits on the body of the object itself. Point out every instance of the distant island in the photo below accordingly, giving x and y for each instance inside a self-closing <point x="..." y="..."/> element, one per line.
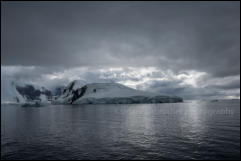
<point x="76" y="92"/>
<point x="109" y="93"/>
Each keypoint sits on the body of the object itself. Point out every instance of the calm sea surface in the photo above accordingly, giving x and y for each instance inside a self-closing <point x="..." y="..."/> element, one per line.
<point x="197" y="130"/>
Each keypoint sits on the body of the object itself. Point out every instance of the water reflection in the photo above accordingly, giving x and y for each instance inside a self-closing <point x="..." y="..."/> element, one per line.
<point x="140" y="125"/>
<point x="141" y="131"/>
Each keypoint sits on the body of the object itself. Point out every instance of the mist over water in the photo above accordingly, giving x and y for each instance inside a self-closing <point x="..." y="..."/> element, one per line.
<point x="193" y="130"/>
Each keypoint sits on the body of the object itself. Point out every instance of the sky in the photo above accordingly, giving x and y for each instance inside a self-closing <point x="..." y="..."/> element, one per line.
<point x="189" y="49"/>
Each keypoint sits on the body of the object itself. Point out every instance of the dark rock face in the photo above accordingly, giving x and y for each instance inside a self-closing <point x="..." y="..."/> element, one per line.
<point x="78" y="93"/>
<point x="70" y="88"/>
<point x="31" y="93"/>
<point x="47" y="93"/>
<point x="74" y="93"/>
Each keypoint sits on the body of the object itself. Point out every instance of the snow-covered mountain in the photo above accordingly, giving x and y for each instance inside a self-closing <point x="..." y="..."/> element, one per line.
<point x="78" y="92"/>
<point x="19" y="92"/>
<point x="32" y="92"/>
<point x="109" y="93"/>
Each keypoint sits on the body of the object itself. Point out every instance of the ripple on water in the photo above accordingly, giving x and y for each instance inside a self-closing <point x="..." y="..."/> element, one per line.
<point x="120" y="132"/>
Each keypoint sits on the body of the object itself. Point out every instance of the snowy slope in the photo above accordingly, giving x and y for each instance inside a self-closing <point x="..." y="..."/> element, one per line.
<point x="69" y="92"/>
<point x="98" y="93"/>
<point x="9" y="94"/>
<point x="14" y="91"/>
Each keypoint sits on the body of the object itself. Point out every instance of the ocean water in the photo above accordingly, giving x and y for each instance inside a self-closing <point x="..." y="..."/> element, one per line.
<point x="194" y="130"/>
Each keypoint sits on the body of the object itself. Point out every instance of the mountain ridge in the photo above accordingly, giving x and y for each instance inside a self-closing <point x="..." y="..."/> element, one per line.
<point x="78" y="92"/>
<point x="106" y="93"/>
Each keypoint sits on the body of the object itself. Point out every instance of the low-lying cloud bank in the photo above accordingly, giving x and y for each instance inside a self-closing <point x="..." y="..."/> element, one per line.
<point x="187" y="84"/>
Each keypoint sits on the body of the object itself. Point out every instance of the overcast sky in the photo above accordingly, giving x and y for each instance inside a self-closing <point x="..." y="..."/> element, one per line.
<point x="190" y="49"/>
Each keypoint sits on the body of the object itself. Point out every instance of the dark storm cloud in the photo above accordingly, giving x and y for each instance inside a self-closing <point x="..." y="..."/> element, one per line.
<point x="204" y="36"/>
<point x="50" y="43"/>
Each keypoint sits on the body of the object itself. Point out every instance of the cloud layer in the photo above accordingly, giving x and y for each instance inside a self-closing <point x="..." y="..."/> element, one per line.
<point x="196" y="41"/>
<point x="189" y="84"/>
